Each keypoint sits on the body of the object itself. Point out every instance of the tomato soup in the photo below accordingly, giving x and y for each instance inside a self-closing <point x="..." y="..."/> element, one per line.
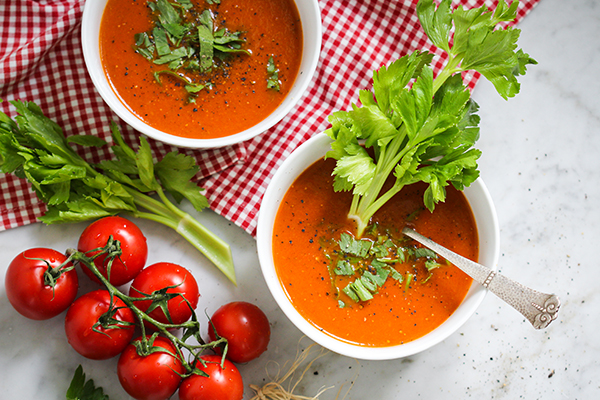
<point x="311" y="213"/>
<point x="237" y="97"/>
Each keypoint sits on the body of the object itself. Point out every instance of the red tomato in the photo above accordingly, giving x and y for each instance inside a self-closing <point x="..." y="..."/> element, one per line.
<point x="159" y="276"/>
<point x="26" y="287"/>
<point x="84" y="313"/>
<point x="245" y="327"/>
<point x="133" y="245"/>
<point x="220" y="384"/>
<point x="152" y="377"/>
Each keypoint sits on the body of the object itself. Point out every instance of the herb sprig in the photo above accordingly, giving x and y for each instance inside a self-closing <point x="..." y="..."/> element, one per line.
<point x="34" y="148"/>
<point x="422" y="128"/>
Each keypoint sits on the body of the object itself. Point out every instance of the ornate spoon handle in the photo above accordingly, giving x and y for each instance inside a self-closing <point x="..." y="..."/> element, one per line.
<point x="539" y="308"/>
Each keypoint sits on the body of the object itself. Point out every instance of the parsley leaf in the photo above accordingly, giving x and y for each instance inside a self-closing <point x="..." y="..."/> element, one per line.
<point x="359" y="248"/>
<point x="272" y="75"/>
<point x="344" y="268"/>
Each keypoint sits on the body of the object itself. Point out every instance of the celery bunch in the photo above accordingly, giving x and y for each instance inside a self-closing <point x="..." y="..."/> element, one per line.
<point x="420" y="127"/>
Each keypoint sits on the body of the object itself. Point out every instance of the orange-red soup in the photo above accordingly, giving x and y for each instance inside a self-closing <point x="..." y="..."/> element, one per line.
<point x="238" y="100"/>
<point x="311" y="212"/>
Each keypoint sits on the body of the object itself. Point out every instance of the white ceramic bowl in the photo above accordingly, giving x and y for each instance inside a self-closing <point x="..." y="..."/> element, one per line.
<point x="310" y="16"/>
<point x="489" y="249"/>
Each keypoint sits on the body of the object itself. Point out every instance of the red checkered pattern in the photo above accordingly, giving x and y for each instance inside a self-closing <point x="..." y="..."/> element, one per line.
<point x="41" y="60"/>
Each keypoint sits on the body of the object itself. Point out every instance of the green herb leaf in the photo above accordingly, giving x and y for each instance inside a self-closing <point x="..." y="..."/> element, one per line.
<point x="408" y="281"/>
<point x="144" y="46"/>
<point x="378" y="274"/>
<point x="160" y="40"/>
<point x="168" y="13"/>
<point x="380" y="250"/>
<point x="431" y="265"/>
<point x="424" y="252"/>
<point x="186" y="4"/>
<point x="395" y="275"/>
<point x="205" y="38"/>
<point x="357" y="291"/>
<point x="344" y="268"/>
<point x="272" y="75"/>
<point x="174" y="55"/>
<point x="82" y="389"/>
<point x="359" y="248"/>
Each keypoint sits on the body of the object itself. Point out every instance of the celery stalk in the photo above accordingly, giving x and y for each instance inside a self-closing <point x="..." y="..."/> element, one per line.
<point x="34" y="148"/>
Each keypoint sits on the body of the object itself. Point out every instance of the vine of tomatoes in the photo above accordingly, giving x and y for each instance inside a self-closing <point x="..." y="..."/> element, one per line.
<point x="168" y="353"/>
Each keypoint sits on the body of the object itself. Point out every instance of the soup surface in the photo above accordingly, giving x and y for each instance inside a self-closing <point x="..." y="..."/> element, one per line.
<point x="311" y="213"/>
<point x="238" y="97"/>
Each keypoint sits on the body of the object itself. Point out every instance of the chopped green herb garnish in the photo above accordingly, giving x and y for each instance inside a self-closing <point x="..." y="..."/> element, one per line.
<point x="409" y="278"/>
<point x="370" y="263"/>
<point x="357" y="291"/>
<point x="188" y="42"/>
<point x="419" y="252"/>
<point x="272" y="75"/>
<point x="350" y="245"/>
<point x="377" y="274"/>
<point x="380" y="250"/>
<point x="228" y="42"/>
<point x="431" y="265"/>
<point x="395" y="275"/>
<point x="206" y="41"/>
<point x="82" y="389"/>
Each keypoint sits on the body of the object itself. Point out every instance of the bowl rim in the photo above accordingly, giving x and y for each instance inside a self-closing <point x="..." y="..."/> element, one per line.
<point x="301" y="158"/>
<point x="312" y="41"/>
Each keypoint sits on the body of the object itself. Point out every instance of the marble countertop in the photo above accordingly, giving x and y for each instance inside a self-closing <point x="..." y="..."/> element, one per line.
<point x="540" y="162"/>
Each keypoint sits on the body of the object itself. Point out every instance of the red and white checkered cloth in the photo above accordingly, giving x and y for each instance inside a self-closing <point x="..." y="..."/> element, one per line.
<point x="41" y="61"/>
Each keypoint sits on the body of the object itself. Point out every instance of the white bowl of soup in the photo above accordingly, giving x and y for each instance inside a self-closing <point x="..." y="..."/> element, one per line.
<point x="254" y="62"/>
<point x="405" y="316"/>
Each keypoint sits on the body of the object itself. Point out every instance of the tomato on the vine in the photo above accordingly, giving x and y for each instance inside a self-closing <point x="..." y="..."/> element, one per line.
<point x="152" y="377"/>
<point x="92" y="332"/>
<point x="220" y="384"/>
<point x="246" y="328"/>
<point x="160" y="276"/>
<point x="36" y="288"/>
<point x="133" y="246"/>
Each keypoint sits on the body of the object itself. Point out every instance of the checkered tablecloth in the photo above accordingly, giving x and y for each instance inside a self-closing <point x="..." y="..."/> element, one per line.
<point x="41" y="61"/>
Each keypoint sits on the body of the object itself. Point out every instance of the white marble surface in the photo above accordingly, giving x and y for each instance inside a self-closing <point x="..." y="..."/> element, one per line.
<point x="540" y="162"/>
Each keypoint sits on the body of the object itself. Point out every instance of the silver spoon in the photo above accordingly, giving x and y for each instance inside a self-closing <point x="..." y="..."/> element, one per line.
<point x="539" y="308"/>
